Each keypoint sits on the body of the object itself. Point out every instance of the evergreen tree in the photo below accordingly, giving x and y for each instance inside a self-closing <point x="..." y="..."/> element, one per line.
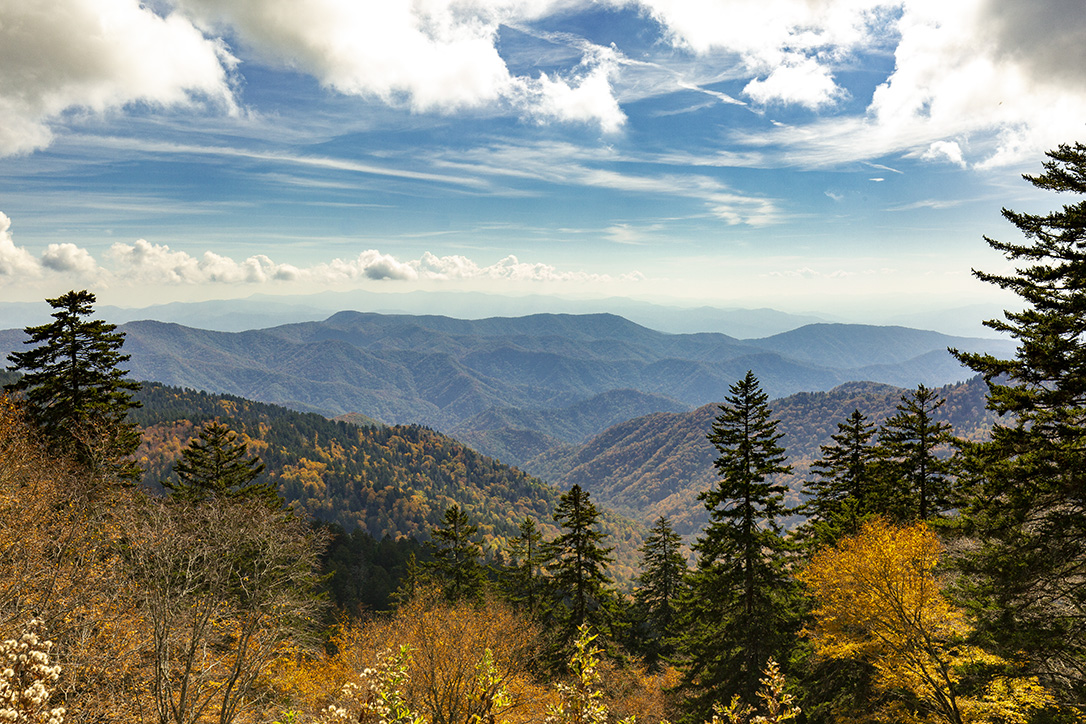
<point x="75" y="389"/>
<point x="523" y="574"/>
<point x="217" y="466"/>
<point x="738" y="612"/>
<point x="659" y="589"/>
<point x="456" y="556"/>
<point x="847" y="488"/>
<point x="577" y="562"/>
<point x="1026" y="511"/>
<point x="910" y="441"/>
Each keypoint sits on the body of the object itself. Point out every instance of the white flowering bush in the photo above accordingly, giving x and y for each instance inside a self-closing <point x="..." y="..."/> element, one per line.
<point x="380" y="698"/>
<point x="27" y="679"/>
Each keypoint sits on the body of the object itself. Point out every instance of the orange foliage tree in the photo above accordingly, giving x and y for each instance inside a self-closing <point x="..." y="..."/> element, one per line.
<point x="457" y="658"/>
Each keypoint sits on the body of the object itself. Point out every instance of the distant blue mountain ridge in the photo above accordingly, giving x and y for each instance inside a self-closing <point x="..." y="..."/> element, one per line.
<point x="515" y="386"/>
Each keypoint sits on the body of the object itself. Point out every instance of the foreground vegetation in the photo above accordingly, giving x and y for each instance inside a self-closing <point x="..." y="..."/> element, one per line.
<point x="934" y="579"/>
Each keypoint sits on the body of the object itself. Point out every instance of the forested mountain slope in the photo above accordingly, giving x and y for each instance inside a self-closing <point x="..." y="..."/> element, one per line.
<point x="392" y="481"/>
<point x="656" y="465"/>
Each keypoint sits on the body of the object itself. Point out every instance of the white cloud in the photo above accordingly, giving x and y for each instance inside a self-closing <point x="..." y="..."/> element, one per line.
<point x="370" y="264"/>
<point x="789" y="48"/>
<point x="145" y="263"/>
<point x="15" y="262"/>
<point x="438" y="55"/>
<point x="68" y="258"/>
<point x="1002" y="79"/>
<point x="590" y="99"/>
<point x="809" y="273"/>
<point x="798" y="80"/>
<point x="970" y="70"/>
<point x="97" y="55"/>
<point x="19" y="265"/>
<point x="430" y="55"/>
<point x="949" y="150"/>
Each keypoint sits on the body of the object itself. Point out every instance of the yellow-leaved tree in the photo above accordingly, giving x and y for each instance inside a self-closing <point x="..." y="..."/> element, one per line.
<point x="878" y="598"/>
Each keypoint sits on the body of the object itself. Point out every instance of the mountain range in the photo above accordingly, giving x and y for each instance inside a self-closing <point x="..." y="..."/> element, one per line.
<point x="517" y="387"/>
<point x="266" y="310"/>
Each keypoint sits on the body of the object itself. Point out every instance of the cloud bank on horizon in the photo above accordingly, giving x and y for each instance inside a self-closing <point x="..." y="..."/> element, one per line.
<point x="145" y="263"/>
<point x="606" y="97"/>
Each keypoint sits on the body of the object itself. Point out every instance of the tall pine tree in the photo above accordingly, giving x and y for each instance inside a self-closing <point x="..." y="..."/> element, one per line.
<point x="578" y="563"/>
<point x="456" y="555"/>
<point x="659" y="590"/>
<point x="1026" y="511"/>
<point x="917" y="449"/>
<point x="76" y="391"/>
<point x="739" y="610"/>
<point x="847" y="487"/>
<point x="523" y="576"/>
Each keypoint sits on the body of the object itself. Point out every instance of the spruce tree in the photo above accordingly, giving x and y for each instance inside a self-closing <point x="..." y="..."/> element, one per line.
<point x="456" y="556"/>
<point x="74" y="387"/>
<point x="659" y="589"/>
<point x="578" y="562"/>
<point x="522" y="581"/>
<point x="1026" y="509"/>
<point x="911" y="442"/>
<point x="216" y="466"/>
<point x="847" y="487"/>
<point x="739" y="610"/>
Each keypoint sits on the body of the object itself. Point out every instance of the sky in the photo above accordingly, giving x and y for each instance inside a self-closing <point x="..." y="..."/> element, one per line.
<point x="843" y="156"/>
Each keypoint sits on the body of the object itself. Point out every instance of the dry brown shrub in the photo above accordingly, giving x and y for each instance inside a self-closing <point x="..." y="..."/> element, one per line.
<point x="60" y="537"/>
<point x="447" y="643"/>
<point x="631" y="690"/>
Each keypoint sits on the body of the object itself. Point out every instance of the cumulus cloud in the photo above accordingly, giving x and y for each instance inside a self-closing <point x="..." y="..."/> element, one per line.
<point x="149" y="263"/>
<point x="18" y="264"/>
<point x="146" y="263"/>
<point x="1002" y="78"/>
<point x="437" y="55"/>
<point x="97" y="55"/>
<point x="790" y="47"/>
<point x="15" y="262"/>
<point x="68" y="258"/>
<point x="589" y="99"/>
<point x="799" y="80"/>
<point x="1009" y="77"/>
<point x="963" y="71"/>
<point x="948" y="150"/>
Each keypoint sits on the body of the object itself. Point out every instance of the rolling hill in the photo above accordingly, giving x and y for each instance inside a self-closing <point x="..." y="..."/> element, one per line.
<point x="388" y="481"/>
<point x="658" y="464"/>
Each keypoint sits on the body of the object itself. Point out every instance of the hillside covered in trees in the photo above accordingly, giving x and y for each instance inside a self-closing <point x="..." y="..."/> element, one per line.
<point x="658" y="464"/>
<point x="387" y="481"/>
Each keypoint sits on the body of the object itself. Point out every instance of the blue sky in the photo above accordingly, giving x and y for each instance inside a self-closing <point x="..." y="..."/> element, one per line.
<point x="843" y="156"/>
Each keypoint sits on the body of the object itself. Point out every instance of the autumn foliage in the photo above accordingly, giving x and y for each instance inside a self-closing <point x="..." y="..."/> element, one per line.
<point x="878" y="598"/>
